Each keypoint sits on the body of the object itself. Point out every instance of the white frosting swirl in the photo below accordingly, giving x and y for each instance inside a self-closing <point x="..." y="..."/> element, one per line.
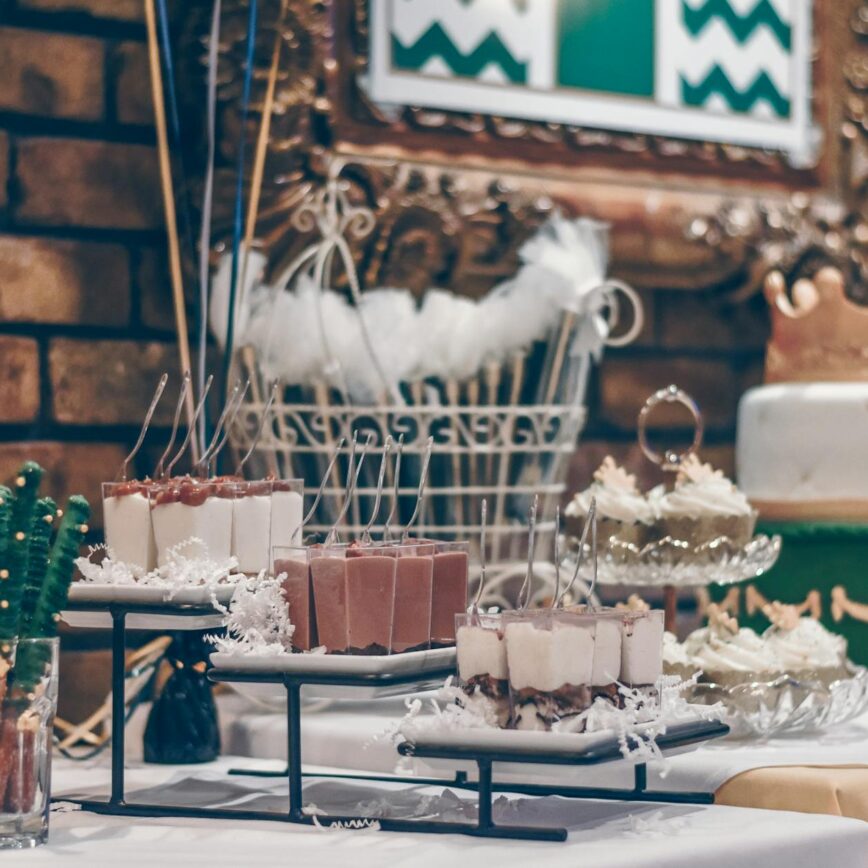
<point x="744" y="651"/>
<point x="674" y="653"/>
<point x="700" y="491"/>
<point x="616" y="495"/>
<point x="809" y="645"/>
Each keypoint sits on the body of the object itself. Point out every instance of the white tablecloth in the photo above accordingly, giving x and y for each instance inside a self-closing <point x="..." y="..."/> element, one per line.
<point x="346" y="734"/>
<point x="602" y="834"/>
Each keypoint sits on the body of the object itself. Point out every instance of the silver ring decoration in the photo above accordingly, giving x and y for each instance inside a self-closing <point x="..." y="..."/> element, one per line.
<point x="670" y="459"/>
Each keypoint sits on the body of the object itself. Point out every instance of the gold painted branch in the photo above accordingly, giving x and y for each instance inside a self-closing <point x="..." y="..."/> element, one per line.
<point x="756" y="602"/>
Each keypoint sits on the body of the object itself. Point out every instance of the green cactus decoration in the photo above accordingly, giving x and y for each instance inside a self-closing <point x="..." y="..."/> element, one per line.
<point x="34" y="585"/>
<point x="13" y="571"/>
<point x="44" y="514"/>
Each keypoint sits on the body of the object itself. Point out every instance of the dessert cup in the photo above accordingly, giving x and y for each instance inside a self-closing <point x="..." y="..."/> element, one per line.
<point x="287" y="507"/>
<point x="482" y="665"/>
<point x="129" y="532"/>
<point x="449" y="592"/>
<point x="641" y="647"/>
<point x="550" y="657"/>
<point x="251" y="525"/>
<point x="328" y="573"/>
<point x="293" y="562"/>
<point x="185" y="508"/>
<point x="608" y="642"/>
<point x="414" y="582"/>
<point x="370" y="599"/>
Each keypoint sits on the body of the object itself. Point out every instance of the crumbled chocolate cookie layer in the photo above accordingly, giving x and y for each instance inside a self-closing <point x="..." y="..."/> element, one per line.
<point x="548" y="707"/>
<point x="488" y="685"/>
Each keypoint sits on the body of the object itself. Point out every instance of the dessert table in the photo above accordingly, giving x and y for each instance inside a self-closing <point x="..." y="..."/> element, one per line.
<point x="816" y="773"/>
<point x="600" y="833"/>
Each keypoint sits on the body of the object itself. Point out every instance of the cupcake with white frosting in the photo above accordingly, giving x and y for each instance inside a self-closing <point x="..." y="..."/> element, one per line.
<point x="803" y="645"/>
<point x="623" y="512"/>
<point x="703" y="506"/>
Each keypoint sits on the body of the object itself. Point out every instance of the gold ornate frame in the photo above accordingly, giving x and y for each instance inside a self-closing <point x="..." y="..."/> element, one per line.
<point x="456" y="193"/>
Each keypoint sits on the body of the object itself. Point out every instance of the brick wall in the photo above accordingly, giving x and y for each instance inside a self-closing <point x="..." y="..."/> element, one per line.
<point x="85" y="311"/>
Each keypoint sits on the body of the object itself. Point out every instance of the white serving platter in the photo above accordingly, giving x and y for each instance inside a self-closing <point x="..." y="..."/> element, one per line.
<point x="274" y="695"/>
<point x="170" y="600"/>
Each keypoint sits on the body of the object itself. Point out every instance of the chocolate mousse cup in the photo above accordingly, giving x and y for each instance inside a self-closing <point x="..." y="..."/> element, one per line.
<point x="414" y="583"/>
<point x="328" y="574"/>
<point x="129" y="532"/>
<point x="550" y="658"/>
<point x="293" y="563"/>
<point x="449" y="590"/>
<point x="184" y="509"/>
<point x="370" y="599"/>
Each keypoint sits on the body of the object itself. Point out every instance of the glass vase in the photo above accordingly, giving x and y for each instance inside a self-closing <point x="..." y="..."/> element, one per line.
<point x="27" y="708"/>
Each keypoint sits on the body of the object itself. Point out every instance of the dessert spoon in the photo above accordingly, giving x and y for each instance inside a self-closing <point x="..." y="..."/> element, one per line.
<point x="420" y="491"/>
<point x="182" y="396"/>
<point x="191" y="427"/>
<point x="323" y="482"/>
<point x="366" y="533"/>
<point x="145" y="425"/>
<point x="524" y="593"/>
<point x="227" y="427"/>
<point x="387" y="527"/>
<point x="260" y="428"/>
<point x="474" y="609"/>
<point x="590" y="527"/>
<point x="352" y="480"/>
<point x="203" y="461"/>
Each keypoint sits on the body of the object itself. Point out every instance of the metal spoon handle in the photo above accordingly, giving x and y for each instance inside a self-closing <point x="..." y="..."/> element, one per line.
<point x="260" y="428"/>
<point x="191" y="427"/>
<point x="524" y="593"/>
<point x="161" y="386"/>
<point x="322" y="485"/>
<point x="420" y="492"/>
<point x="387" y="445"/>
<point x="387" y="528"/>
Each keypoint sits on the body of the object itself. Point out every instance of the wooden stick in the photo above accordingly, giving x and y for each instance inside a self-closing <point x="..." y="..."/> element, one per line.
<point x="169" y="206"/>
<point x="842" y="605"/>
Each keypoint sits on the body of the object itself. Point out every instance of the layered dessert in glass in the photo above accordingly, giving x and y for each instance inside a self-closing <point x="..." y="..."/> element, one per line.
<point x="370" y="580"/>
<point x="482" y="664"/>
<point x="550" y="657"/>
<point x="451" y="570"/>
<point x="414" y="583"/>
<point x="251" y="524"/>
<point x="293" y="563"/>
<point x="183" y="508"/>
<point x="328" y="574"/>
<point x="641" y="648"/>
<point x="129" y="532"/>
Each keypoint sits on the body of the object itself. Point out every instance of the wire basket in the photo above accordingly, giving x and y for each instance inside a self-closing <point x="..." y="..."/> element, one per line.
<point x="505" y="435"/>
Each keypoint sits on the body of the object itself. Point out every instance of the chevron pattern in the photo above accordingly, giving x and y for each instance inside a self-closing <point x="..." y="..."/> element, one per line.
<point x="435" y="43"/>
<point x="742" y="101"/>
<point x="742" y="27"/>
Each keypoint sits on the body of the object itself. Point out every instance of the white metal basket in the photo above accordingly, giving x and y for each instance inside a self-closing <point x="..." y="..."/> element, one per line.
<point x="506" y="435"/>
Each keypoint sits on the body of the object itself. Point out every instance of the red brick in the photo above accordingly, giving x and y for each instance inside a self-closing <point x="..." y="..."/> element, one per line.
<point x="71" y="468"/>
<point x="19" y="379"/>
<point x="124" y="10"/>
<point x="53" y="281"/>
<point x="625" y="385"/>
<point x="76" y="182"/>
<point x="133" y="100"/>
<point x="155" y="290"/>
<point x="110" y="382"/>
<point x="51" y="74"/>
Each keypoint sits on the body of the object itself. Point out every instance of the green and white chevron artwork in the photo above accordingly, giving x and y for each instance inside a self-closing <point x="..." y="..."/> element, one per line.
<point x="736" y="71"/>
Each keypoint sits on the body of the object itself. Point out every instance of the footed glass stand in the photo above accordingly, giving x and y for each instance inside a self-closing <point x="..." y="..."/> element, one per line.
<point x="677" y="737"/>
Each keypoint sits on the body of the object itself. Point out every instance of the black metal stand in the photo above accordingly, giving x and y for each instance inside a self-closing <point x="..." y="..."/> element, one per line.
<point x="483" y="758"/>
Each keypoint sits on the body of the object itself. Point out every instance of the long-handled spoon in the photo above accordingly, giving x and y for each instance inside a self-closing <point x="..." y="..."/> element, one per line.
<point x="524" y="593"/>
<point x="589" y="528"/>
<point x="387" y="527"/>
<point x="420" y="491"/>
<point x="202" y="463"/>
<point x="161" y="386"/>
<point x="366" y="533"/>
<point x="191" y="427"/>
<point x="239" y="468"/>
<point x="483" y="521"/>
<point x="179" y="407"/>
<point x="227" y="428"/>
<point x="352" y="480"/>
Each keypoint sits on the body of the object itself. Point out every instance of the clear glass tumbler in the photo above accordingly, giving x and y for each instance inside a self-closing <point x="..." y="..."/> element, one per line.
<point x="27" y="708"/>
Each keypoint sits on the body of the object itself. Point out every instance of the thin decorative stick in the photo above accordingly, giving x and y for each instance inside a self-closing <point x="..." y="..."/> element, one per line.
<point x="474" y="609"/>
<point x="240" y="466"/>
<point x="352" y="480"/>
<point x="169" y="205"/>
<point x="366" y="533"/>
<point x="191" y="427"/>
<point x="387" y="527"/>
<point x="420" y="492"/>
<point x="590" y="527"/>
<point x="557" y="554"/>
<point x="524" y="593"/>
<point x="161" y="386"/>
<point x="182" y="395"/>
<point x="322" y="485"/>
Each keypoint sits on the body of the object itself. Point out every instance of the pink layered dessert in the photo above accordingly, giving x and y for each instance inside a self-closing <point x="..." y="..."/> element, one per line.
<point x="328" y="572"/>
<point x="298" y="592"/>
<point x="370" y="600"/>
<point x="414" y="583"/>
<point x="449" y="591"/>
